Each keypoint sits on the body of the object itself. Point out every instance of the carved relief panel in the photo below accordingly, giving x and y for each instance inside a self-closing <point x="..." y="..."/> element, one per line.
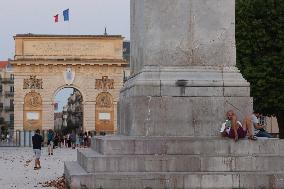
<point x="32" y="83"/>
<point x="104" y="83"/>
<point x="104" y="113"/>
<point x="32" y="111"/>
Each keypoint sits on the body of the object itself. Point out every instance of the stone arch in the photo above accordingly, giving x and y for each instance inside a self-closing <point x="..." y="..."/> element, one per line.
<point x="32" y="111"/>
<point x="66" y="86"/>
<point x="104" y="113"/>
<point x="74" y="109"/>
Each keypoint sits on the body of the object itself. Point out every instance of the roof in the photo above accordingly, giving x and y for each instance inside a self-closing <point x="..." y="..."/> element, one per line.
<point x="67" y="36"/>
<point x="3" y="64"/>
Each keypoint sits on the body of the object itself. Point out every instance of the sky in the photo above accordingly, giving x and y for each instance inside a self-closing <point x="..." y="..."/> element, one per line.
<point x="87" y="17"/>
<point x="61" y="98"/>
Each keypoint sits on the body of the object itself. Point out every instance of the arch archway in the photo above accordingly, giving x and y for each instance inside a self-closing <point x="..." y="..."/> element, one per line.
<point x="68" y="110"/>
<point x="32" y="111"/>
<point x="54" y="62"/>
<point x="104" y="113"/>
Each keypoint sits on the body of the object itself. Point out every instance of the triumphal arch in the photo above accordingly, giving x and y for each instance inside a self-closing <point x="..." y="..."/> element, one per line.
<point x="45" y="64"/>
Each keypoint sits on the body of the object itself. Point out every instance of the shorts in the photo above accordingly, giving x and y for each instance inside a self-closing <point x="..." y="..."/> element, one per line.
<point x="50" y="143"/>
<point x="37" y="153"/>
<point x="240" y="131"/>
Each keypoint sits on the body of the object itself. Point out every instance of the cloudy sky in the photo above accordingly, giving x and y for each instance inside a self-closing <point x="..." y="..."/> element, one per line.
<point x="36" y="16"/>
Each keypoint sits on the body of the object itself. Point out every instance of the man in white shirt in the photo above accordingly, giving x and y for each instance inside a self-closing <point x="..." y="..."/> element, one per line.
<point x="259" y="130"/>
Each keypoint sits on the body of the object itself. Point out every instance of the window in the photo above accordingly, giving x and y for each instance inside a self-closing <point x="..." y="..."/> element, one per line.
<point x="11" y="76"/>
<point x="11" y="102"/>
<point x="11" y="89"/>
<point x="11" y="117"/>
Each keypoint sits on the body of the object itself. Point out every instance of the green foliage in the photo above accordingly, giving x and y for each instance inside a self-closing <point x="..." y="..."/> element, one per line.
<point x="260" y="51"/>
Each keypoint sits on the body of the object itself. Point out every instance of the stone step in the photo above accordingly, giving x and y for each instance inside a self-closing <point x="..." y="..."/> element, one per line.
<point x="185" y="180"/>
<point x="92" y="162"/>
<point x="75" y="175"/>
<point x="110" y="145"/>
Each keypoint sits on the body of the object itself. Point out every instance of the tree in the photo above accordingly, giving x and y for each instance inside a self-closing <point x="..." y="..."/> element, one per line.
<point x="260" y="53"/>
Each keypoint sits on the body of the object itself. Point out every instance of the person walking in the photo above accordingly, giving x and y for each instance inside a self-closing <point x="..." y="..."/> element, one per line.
<point x="37" y="141"/>
<point x="50" y="141"/>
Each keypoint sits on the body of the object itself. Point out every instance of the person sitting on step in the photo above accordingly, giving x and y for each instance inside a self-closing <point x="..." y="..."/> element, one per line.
<point x="234" y="129"/>
<point x="259" y="130"/>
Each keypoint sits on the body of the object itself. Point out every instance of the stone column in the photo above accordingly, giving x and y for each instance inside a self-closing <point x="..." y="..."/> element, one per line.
<point x="183" y="59"/>
<point x="47" y="115"/>
<point x="19" y="119"/>
<point x="89" y="115"/>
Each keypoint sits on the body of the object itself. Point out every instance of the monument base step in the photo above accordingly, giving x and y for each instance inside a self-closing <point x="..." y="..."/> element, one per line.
<point x="136" y="145"/>
<point x="78" y="179"/>
<point x="120" y="162"/>
<point x="94" y="162"/>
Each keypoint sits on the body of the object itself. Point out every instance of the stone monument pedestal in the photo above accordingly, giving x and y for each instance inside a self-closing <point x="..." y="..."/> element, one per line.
<point x="182" y="101"/>
<point x="120" y="162"/>
<point x="184" y="81"/>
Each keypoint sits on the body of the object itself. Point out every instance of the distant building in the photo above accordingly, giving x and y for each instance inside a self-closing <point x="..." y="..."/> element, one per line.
<point x="58" y="118"/>
<point x="126" y="51"/>
<point x="126" y="56"/>
<point x="271" y="124"/>
<point x="6" y="95"/>
<point x="75" y="111"/>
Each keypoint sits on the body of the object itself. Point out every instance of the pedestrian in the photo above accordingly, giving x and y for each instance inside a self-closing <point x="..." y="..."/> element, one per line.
<point x="77" y="140"/>
<point x="72" y="138"/>
<point x="8" y="138"/>
<point x="89" y="139"/>
<point x="37" y="141"/>
<point x="50" y="141"/>
<point x="85" y="139"/>
<point x="56" y="140"/>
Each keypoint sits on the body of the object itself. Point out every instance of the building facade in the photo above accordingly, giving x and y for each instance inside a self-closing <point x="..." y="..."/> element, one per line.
<point x="45" y="64"/>
<point x="6" y="95"/>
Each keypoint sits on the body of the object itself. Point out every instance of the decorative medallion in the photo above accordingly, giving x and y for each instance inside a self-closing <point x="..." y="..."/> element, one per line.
<point x="69" y="76"/>
<point x="104" y="83"/>
<point x="32" y="83"/>
<point x="33" y="100"/>
<point x="104" y="100"/>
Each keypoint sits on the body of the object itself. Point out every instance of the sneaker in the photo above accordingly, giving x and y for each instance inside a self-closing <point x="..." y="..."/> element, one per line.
<point x="252" y="138"/>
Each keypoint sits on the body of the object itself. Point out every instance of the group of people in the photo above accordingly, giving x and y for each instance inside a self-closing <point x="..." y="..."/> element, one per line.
<point x="251" y="127"/>
<point x="55" y="140"/>
<point x="69" y="140"/>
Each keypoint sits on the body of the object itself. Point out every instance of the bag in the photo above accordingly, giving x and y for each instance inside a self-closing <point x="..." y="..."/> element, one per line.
<point x="262" y="130"/>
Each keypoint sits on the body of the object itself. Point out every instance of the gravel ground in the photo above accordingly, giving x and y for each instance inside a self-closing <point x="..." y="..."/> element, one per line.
<point x="16" y="167"/>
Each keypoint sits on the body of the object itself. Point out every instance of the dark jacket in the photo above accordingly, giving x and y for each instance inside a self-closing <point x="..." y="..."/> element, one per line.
<point x="37" y="140"/>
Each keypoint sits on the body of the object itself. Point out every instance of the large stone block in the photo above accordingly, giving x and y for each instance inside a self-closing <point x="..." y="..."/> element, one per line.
<point x="177" y="116"/>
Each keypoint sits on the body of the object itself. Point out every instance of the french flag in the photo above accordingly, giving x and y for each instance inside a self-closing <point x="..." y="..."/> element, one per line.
<point x="65" y="16"/>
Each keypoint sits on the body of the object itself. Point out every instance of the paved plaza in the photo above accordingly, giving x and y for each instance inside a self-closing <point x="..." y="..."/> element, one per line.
<point x="16" y="165"/>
